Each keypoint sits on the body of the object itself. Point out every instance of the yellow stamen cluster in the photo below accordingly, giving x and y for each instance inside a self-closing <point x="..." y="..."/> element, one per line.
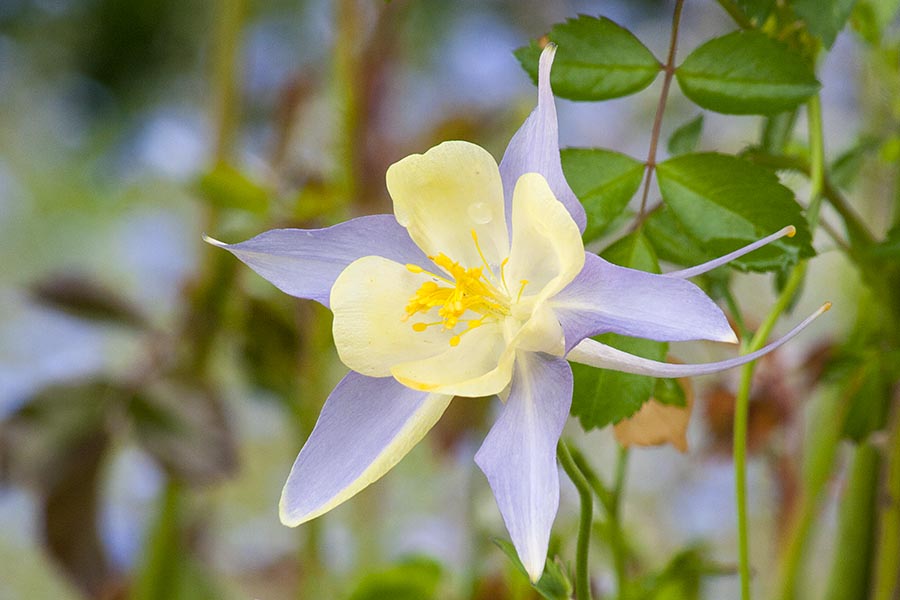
<point x="474" y="289"/>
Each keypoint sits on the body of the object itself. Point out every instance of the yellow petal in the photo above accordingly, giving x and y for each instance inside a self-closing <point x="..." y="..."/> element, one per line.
<point x="369" y="301"/>
<point x="547" y="250"/>
<point x="445" y="194"/>
<point x="481" y="365"/>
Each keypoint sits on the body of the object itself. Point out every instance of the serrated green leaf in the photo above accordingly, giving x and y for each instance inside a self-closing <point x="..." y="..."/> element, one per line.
<point x="724" y="202"/>
<point x="746" y="73"/>
<point x="604" y="181"/>
<point x="600" y="396"/>
<point x="226" y="187"/>
<point x="685" y="138"/>
<point x="671" y="242"/>
<point x="596" y="60"/>
<point x="824" y="18"/>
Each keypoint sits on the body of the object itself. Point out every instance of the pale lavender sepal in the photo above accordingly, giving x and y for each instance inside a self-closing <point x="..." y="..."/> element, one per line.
<point x="594" y="354"/>
<point x="607" y="298"/>
<point x="305" y="262"/>
<point x="788" y="231"/>
<point x="519" y="454"/>
<point x="366" y="426"/>
<point x="535" y="149"/>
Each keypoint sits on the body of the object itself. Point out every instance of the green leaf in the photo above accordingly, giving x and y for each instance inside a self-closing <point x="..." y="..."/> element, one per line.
<point x="845" y="168"/>
<point x="670" y="240"/>
<point x="679" y="580"/>
<point x="604" y="181"/>
<point x="554" y="583"/>
<point x="867" y="384"/>
<point x="870" y="18"/>
<point x="596" y="60"/>
<point x="685" y="138"/>
<point x="669" y="391"/>
<point x="725" y="202"/>
<point x="84" y="297"/>
<point x="756" y="10"/>
<point x="413" y="579"/>
<point x="824" y="18"/>
<point x="602" y="396"/>
<point x="226" y="187"/>
<point x="746" y="73"/>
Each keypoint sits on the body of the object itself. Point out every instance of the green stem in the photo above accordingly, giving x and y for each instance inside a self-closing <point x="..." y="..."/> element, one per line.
<point x="816" y="160"/>
<point x="849" y="578"/>
<point x="582" y="570"/>
<point x="226" y="97"/>
<point x="158" y="576"/>
<point x="742" y="400"/>
<point x="886" y="585"/>
<point x="793" y="558"/>
<point x="829" y="417"/>
<point x="603" y="493"/>
<point x="615" y="519"/>
<point x="741" y="410"/>
<point x="347" y="76"/>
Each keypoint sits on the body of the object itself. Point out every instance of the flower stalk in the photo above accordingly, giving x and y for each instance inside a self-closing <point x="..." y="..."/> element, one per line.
<point x="585" y="521"/>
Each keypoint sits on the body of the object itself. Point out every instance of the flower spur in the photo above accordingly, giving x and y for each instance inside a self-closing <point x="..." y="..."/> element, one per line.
<point x="477" y="285"/>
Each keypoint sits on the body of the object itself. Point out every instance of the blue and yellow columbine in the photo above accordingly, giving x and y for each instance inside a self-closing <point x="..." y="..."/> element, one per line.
<point x="477" y="285"/>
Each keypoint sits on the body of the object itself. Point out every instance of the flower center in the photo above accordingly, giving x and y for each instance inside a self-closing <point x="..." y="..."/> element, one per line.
<point x="476" y="290"/>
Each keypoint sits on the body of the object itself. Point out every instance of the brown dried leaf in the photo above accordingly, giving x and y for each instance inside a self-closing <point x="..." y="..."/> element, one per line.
<point x="656" y="424"/>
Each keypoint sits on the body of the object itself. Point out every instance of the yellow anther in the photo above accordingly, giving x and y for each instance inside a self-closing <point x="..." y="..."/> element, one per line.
<point x="463" y="290"/>
<point x="524" y="282"/>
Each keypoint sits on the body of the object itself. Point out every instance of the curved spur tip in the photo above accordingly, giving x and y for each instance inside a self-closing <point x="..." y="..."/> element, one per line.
<point x="791" y="231"/>
<point x="213" y="241"/>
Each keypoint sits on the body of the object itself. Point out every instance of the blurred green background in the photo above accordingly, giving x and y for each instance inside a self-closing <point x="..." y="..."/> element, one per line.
<point x="154" y="392"/>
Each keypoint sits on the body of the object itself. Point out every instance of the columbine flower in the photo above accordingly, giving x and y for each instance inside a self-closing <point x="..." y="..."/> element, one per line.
<point x="478" y="285"/>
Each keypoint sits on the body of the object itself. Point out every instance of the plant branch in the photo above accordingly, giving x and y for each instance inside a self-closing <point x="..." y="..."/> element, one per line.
<point x="669" y="69"/>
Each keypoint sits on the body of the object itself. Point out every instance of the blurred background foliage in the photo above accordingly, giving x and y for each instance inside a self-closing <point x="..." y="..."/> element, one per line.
<point x="153" y="394"/>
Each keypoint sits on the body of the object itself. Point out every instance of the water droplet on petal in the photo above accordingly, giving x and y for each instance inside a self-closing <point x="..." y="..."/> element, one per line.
<point x="480" y="213"/>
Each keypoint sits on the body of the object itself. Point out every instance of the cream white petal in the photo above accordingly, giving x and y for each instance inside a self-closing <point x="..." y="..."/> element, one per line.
<point x="369" y="301"/>
<point x="481" y="365"/>
<point x="547" y="250"/>
<point x="444" y="195"/>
